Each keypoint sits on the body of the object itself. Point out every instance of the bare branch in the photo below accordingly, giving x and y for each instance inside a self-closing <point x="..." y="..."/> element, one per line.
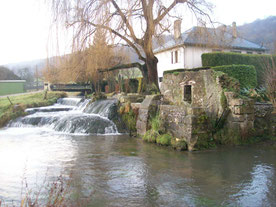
<point x="122" y="66"/>
<point x="121" y="36"/>
<point x="167" y="10"/>
<point x="136" y="40"/>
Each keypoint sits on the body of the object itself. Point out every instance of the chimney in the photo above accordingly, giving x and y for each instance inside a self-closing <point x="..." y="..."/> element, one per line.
<point x="234" y="30"/>
<point x="177" y="28"/>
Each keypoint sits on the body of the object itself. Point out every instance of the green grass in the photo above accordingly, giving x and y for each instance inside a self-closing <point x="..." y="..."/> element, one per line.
<point x="21" y="102"/>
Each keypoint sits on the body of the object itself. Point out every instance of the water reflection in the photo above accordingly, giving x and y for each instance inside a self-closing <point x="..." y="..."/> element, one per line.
<point x="33" y="154"/>
<point x="123" y="171"/>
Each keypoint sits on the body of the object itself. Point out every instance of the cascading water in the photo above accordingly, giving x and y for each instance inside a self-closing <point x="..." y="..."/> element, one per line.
<point x="73" y="115"/>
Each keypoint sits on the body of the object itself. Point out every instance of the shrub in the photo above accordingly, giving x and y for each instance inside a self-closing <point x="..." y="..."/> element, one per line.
<point x="155" y="123"/>
<point x="133" y="85"/>
<point x="258" y="94"/>
<point x="164" y="139"/>
<point x="151" y="136"/>
<point x="245" y="74"/>
<point x="178" y="144"/>
<point x="129" y="118"/>
<point x="258" y="61"/>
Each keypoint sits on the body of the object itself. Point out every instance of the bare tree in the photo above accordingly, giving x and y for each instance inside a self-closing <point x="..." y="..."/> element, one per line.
<point x="136" y="22"/>
<point x="83" y="66"/>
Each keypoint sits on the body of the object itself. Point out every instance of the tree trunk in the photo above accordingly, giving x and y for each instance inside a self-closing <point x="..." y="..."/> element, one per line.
<point x="152" y="74"/>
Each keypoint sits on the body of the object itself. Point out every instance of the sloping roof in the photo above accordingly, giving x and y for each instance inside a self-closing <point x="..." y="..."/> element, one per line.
<point x="200" y="36"/>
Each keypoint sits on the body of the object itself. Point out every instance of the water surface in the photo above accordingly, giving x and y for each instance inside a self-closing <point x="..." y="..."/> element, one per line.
<point x="117" y="170"/>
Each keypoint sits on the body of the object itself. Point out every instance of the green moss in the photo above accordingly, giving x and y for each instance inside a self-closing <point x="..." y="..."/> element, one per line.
<point x="179" y="70"/>
<point x="155" y="123"/>
<point x="151" y="136"/>
<point x="204" y="141"/>
<point x="129" y="119"/>
<point x="227" y="83"/>
<point x="202" y="119"/>
<point x="223" y="100"/>
<point x="178" y="144"/>
<point x="164" y="139"/>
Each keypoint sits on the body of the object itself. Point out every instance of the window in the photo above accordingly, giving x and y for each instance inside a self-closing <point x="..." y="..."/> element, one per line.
<point x="176" y="56"/>
<point x="188" y="93"/>
<point x="249" y="52"/>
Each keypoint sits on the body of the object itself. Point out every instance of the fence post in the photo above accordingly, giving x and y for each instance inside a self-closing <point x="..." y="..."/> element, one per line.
<point x="9" y="100"/>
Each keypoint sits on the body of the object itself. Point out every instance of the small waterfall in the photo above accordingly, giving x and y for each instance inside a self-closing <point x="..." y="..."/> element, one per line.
<point x="69" y="101"/>
<point x="73" y="115"/>
<point x="105" y="108"/>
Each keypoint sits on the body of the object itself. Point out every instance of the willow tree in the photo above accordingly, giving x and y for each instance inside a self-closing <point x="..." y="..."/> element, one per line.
<point x="135" y="22"/>
<point x="83" y="66"/>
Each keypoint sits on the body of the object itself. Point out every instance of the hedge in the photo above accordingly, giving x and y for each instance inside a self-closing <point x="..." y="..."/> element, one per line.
<point x="224" y="58"/>
<point x="245" y="74"/>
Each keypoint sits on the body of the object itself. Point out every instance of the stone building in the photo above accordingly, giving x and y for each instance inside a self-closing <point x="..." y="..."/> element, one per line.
<point x="197" y="108"/>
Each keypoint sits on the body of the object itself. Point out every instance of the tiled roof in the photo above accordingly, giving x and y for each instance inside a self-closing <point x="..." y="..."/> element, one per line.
<point x="199" y="36"/>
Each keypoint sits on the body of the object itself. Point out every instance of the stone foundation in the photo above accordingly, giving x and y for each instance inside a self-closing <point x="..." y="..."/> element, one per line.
<point x="264" y="122"/>
<point x="184" y="123"/>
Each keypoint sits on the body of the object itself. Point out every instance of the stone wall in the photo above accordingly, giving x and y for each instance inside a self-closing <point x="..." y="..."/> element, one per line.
<point x="206" y="91"/>
<point x="188" y="124"/>
<point x="264" y="122"/>
<point x="240" y="120"/>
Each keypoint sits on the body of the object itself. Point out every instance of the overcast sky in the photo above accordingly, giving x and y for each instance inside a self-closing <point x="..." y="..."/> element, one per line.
<point x="24" y="24"/>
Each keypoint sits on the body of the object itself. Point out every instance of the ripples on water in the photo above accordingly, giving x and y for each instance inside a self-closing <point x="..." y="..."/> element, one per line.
<point x="123" y="171"/>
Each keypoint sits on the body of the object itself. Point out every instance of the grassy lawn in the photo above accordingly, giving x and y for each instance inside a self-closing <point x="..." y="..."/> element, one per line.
<point x="21" y="102"/>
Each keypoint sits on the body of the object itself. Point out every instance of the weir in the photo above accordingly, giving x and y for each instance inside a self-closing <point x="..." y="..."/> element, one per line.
<point x="73" y="115"/>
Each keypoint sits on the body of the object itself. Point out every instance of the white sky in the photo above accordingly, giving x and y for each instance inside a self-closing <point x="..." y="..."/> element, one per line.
<point x="24" y="24"/>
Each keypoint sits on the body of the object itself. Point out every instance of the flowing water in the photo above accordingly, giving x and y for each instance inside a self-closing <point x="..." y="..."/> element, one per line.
<point x="78" y="140"/>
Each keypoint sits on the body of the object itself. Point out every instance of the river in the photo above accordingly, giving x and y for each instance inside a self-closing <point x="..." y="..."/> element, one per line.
<point x="107" y="168"/>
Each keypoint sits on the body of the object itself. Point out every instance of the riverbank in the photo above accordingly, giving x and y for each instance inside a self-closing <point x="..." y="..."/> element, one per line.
<point x="14" y="106"/>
